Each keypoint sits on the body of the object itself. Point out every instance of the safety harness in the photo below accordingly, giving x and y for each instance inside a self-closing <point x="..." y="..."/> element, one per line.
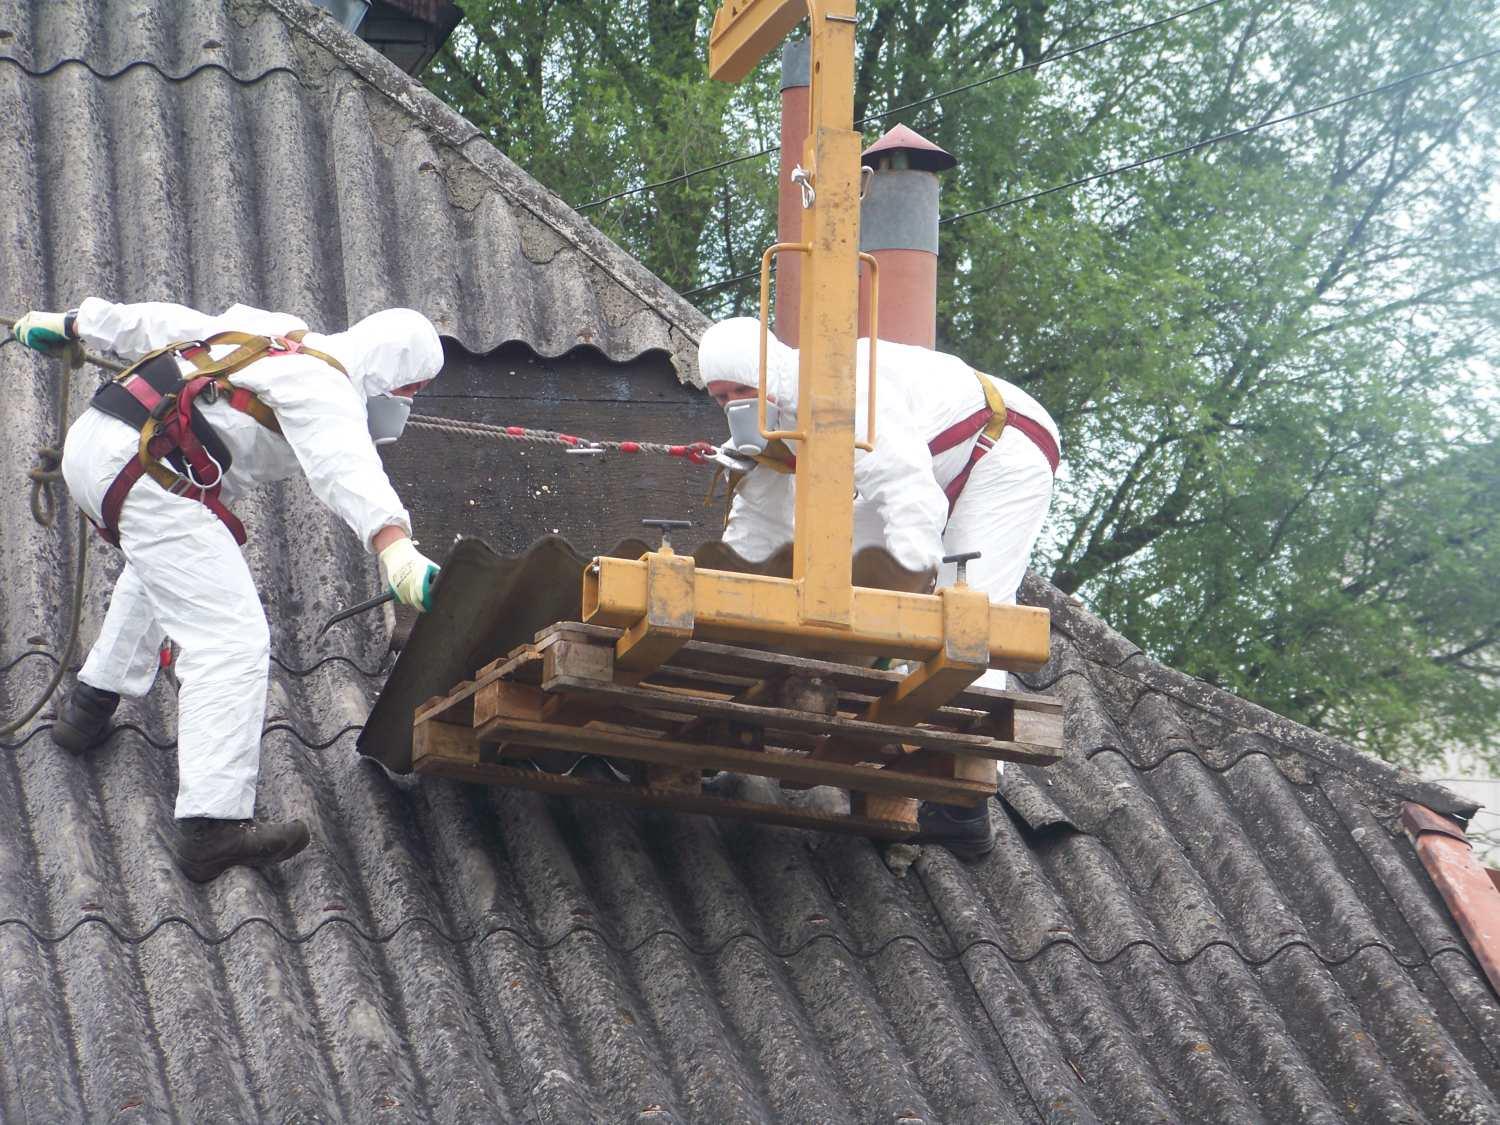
<point x="179" y="450"/>
<point x="989" y="422"/>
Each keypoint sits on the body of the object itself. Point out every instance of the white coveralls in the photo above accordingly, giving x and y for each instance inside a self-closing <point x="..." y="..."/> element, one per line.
<point x="184" y="576"/>
<point x="900" y="501"/>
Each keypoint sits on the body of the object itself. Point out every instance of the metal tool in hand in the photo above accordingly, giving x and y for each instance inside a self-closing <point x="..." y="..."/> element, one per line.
<point x="355" y="610"/>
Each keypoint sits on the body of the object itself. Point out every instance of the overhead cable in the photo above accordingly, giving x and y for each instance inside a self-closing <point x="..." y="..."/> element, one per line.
<point x="965" y="88"/>
<point x="1041" y="62"/>
<point x="1233" y="134"/>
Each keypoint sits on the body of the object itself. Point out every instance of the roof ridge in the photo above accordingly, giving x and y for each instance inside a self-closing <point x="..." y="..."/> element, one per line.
<point x="454" y="130"/>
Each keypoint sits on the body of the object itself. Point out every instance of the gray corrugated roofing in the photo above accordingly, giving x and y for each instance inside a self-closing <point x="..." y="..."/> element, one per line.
<point x="254" y="151"/>
<point x="1203" y="914"/>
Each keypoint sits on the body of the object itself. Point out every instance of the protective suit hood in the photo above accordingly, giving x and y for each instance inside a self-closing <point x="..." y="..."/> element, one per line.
<point x="730" y="352"/>
<point x="248" y="318"/>
<point x="385" y="350"/>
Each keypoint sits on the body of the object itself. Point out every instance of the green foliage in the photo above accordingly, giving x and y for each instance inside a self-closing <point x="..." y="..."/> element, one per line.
<point x="1273" y="359"/>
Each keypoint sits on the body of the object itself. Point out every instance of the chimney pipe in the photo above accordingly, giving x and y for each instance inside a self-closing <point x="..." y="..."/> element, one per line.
<point x="796" y="77"/>
<point x="899" y="225"/>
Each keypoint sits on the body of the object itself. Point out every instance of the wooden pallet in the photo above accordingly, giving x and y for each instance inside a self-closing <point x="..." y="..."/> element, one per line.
<point x="714" y="707"/>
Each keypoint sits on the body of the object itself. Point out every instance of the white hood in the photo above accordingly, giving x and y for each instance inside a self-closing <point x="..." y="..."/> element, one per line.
<point x="385" y="350"/>
<point x="730" y="352"/>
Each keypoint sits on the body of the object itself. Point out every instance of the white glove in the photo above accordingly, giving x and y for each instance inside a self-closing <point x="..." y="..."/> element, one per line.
<point x="408" y="573"/>
<point x="914" y="551"/>
<point x="45" y="332"/>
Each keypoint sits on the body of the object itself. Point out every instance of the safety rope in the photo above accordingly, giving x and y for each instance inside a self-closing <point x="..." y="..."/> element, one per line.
<point x="45" y="477"/>
<point x="698" y="452"/>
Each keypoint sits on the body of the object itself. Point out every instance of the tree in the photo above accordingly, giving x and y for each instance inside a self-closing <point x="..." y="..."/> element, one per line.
<point x="1271" y="357"/>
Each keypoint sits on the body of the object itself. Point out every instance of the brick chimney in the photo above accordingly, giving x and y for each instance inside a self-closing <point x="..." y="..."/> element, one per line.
<point x="898" y="224"/>
<point x="796" y="74"/>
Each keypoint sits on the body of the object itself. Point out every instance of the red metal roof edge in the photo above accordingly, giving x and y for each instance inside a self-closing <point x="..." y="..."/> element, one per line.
<point x="1470" y="891"/>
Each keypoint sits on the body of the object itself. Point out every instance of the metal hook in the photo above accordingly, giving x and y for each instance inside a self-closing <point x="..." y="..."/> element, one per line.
<point x="803" y="179"/>
<point x="866" y="177"/>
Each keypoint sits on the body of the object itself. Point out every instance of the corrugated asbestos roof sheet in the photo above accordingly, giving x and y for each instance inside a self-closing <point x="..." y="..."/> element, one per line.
<point x="251" y="150"/>
<point x="1204" y="914"/>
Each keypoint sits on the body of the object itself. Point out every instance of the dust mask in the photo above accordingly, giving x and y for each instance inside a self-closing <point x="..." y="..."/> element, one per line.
<point x="386" y="416"/>
<point x="744" y="426"/>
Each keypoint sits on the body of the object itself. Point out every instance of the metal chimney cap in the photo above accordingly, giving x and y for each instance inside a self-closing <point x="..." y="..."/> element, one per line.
<point x="921" y="154"/>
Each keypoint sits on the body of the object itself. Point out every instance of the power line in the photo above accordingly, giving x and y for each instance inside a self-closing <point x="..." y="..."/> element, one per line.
<point x="1233" y="134"/>
<point x="1040" y="62"/>
<point x="965" y="88"/>
<point x="675" y="179"/>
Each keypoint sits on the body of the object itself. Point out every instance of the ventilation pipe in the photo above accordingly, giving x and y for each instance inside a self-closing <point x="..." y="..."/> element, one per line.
<point x="796" y="73"/>
<point x="898" y="224"/>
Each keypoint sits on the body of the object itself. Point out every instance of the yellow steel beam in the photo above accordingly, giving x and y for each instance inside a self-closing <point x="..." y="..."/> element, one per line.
<point x="962" y="659"/>
<point x="823" y="549"/>
<point x="751" y="609"/>
<point x="666" y="625"/>
<point x="745" y="32"/>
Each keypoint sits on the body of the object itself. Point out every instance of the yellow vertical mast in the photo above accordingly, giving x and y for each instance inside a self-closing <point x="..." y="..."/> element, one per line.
<point x="743" y="33"/>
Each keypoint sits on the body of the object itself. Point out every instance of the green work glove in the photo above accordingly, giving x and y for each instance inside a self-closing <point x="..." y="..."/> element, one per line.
<point x="45" y="332"/>
<point x="409" y="574"/>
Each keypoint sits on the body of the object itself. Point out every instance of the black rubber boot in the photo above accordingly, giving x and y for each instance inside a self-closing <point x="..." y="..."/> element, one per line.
<point x="964" y="831"/>
<point x="83" y="719"/>
<point x="205" y="848"/>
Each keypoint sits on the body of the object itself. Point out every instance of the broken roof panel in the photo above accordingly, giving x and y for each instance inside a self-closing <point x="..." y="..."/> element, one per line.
<point x="1203" y="913"/>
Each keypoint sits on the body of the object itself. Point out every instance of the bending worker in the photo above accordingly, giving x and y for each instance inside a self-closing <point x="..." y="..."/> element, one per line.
<point x="963" y="462"/>
<point x="258" y="398"/>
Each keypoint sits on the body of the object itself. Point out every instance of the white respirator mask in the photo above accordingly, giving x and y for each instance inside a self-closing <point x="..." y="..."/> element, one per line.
<point x="386" y="416"/>
<point x="745" y="437"/>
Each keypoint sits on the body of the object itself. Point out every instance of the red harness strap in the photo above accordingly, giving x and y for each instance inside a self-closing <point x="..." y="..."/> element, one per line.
<point x="174" y="434"/>
<point x="961" y="431"/>
<point x="1033" y="429"/>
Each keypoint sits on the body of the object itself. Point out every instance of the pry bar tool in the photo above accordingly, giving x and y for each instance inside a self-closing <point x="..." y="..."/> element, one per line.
<point x="355" y="610"/>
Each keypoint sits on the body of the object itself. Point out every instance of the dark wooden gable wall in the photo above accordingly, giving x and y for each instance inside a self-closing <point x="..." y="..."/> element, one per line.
<point x="510" y="494"/>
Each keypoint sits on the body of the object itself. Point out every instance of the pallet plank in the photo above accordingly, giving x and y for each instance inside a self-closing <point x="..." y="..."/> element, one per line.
<point x="457" y="706"/>
<point x="447" y="750"/>
<point x="774" y="718"/>
<point x="664" y="751"/>
<point x="744" y="664"/>
<point x="707" y="656"/>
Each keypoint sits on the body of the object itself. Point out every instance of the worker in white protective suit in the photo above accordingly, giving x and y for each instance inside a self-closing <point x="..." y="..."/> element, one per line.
<point x="309" y="403"/>
<point x="963" y="462"/>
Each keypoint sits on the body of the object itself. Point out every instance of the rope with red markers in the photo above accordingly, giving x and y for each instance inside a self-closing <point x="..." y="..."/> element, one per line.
<point x="698" y="452"/>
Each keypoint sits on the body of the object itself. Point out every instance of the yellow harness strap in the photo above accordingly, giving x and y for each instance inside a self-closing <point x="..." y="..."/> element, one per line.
<point x="996" y="402"/>
<point x="249" y="348"/>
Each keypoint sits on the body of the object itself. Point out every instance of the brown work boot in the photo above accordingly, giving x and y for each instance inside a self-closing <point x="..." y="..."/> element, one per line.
<point x="205" y="848"/>
<point x="83" y="720"/>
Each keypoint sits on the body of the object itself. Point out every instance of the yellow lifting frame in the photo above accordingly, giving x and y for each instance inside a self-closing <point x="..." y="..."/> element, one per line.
<point x="662" y="600"/>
